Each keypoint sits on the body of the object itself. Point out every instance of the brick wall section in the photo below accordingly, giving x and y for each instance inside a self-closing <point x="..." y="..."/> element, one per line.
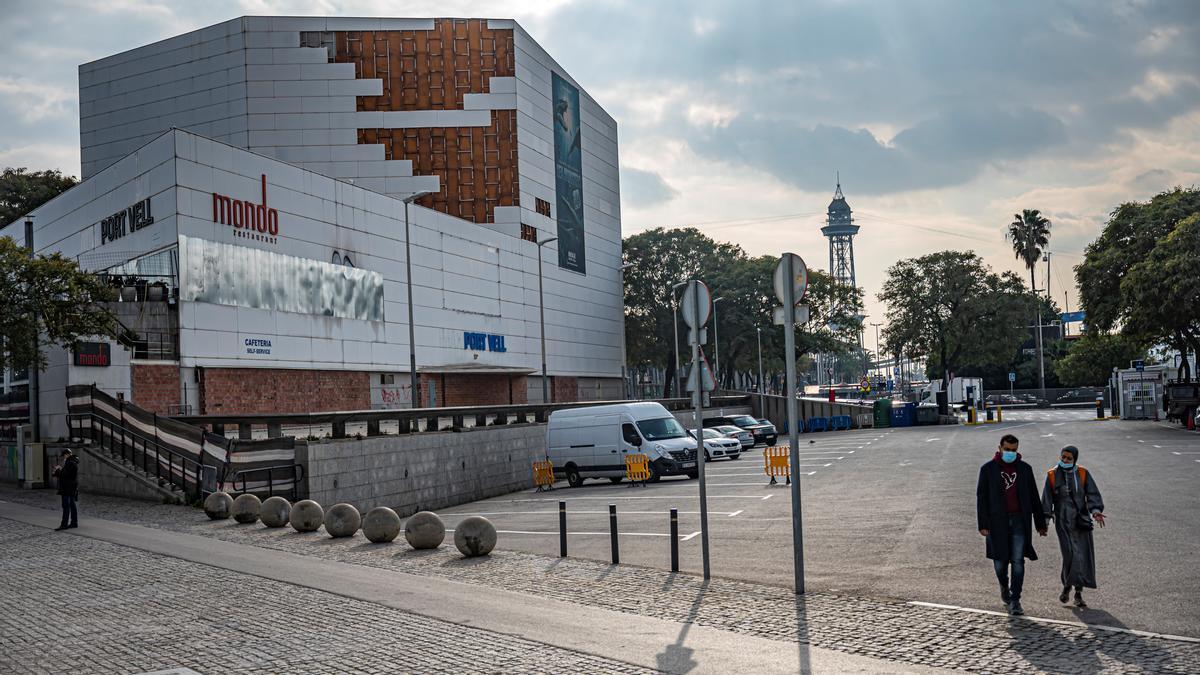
<point x="469" y="390"/>
<point x="434" y="70"/>
<point x="225" y="391"/>
<point x="155" y="386"/>
<point x="566" y="389"/>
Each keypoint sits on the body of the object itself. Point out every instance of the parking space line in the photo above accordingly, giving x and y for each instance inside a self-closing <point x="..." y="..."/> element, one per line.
<point x="688" y="537"/>
<point x="767" y="497"/>
<point x="736" y="512"/>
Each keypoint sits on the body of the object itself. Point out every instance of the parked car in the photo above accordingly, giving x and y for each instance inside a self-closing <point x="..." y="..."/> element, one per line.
<point x="763" y="433"/>
<point x="768" y="423"/>
<point x="737" y="433"/>
<point x="592" y="442"/>
<point x="1003" y="399"/>
<point x="717" y="444"/>
<point x="1081" y="395"/>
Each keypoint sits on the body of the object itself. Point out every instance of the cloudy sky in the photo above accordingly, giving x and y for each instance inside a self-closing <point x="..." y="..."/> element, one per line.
<point x="944" y="118"/>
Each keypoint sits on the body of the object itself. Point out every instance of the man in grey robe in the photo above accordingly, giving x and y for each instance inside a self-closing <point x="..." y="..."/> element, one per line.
<point x="1071" y="498"/>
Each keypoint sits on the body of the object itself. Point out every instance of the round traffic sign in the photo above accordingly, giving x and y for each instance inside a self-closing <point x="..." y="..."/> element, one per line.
<point x="687" y="305"/>
<point x="799" y="278"/>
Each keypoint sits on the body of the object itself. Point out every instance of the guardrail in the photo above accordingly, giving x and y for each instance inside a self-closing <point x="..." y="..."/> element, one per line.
<point x="410" y="420"/>
<point x="143" y="452"/>
<point x="279" y="478"/>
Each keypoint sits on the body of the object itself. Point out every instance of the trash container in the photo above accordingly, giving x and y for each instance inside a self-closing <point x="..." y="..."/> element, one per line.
<point x="902" y="415"/>
<point x="927" y="414"/>
<point x="882" y="410"/>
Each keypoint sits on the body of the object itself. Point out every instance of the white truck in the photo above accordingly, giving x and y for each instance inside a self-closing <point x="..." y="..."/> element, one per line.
<point x="957" y="391"/>
<point x="593" y="442"/>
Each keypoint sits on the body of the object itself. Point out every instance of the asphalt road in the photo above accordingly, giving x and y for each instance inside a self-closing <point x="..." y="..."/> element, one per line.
<point x="890" y="513"/>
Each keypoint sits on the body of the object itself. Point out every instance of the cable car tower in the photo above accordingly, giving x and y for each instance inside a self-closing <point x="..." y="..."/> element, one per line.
<point x="840" y="230"/>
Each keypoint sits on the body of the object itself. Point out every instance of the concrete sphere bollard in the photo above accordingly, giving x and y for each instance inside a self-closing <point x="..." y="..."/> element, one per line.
<point x="218" y="505"/>
<point x="381" y="525"/>
<point x="342" y="520"/>
<point x="306" y="516"/>
<point x="245" y="508"/>
<point x="424" y="530"/>
<point x="475" y="536"/>
<point x="275" y="512"/>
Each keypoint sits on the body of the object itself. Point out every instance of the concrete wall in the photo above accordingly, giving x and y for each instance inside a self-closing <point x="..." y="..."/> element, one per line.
<point x="423" y="471"/>
<point x="776" y="410"/>
<point x="100" y="474"/>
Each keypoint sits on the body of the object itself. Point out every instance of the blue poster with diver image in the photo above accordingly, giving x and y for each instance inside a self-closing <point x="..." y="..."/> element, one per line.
<point x="568" y="175"/>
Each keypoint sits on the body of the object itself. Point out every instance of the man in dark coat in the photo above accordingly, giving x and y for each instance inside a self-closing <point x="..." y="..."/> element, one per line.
<point x="1006" y="500"/>
<point x="68" y="486"/>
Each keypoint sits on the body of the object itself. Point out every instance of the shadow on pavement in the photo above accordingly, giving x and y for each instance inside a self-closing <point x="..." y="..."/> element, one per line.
<point x="676" y="658"/>
<point x="1148" y="650"/>
<point x="803" y="659"/>
<point x="1050" y="650"/>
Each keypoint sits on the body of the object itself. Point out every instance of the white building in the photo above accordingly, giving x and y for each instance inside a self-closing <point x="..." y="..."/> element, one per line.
<point x="244" y="183"/>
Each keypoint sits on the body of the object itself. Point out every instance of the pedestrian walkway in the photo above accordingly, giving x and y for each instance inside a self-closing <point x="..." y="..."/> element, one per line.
<point x="697" y="616"/>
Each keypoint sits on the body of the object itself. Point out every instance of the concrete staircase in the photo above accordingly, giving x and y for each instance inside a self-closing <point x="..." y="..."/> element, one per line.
<point x="102" y="473"/>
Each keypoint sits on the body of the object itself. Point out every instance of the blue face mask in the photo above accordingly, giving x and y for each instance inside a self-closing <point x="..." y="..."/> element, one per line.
<point x="1066" y="465"/>
<point x="1009" y="456"/>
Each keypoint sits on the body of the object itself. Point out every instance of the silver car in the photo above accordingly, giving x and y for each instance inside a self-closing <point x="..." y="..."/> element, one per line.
<point x="744" y="437"/>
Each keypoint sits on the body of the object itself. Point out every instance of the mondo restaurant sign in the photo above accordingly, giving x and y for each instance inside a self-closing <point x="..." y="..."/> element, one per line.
<point x="92" y="354"/>
<point x="249" y="220"/>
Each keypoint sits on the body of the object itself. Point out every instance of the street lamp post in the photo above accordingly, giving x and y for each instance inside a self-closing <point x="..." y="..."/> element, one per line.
<point x="625" y="383"/>
<point x="675" y="345"/>
<point x="542" y="319"/>
<point x="761" y="401"/>
<point x="412" y="344"/>
<point x="877" y="352"/>
<point x="716" y="343"/>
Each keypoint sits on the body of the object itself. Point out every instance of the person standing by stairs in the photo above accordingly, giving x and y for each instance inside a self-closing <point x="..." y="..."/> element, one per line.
<point x="67" y="473"/>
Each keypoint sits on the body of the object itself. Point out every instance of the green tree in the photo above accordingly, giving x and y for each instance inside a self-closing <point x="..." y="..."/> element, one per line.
<point x="661" y="258"/>
<point x="63" y="298"/>
<point x="953" y="309"/>
<point x="1139" y="276"/>
<point x="1029" y="233"/>
<point x="1091" y="358"/>
<point x="22" y="191"/>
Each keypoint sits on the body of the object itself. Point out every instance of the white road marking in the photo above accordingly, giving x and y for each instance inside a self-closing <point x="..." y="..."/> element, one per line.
<point x="930" y="440"/>
<point x="767" y="497"/>
<point x="1047" y="435"/>
<point x="1186" y="453"/>
<point x="1091" y="626"/>
<point x="736" y="512"/>
<point x="1141" y="441"/>
<point x="1060" y="424"/>
<point x="690" y="536"/>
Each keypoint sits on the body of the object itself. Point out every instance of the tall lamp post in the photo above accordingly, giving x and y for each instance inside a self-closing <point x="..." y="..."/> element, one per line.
<point x="412" y="343"/>
<point x="625" y="383"/>
<point x="675" y="346"/>
<point x="716" y="344"/>
<point x="542" y="319"/>
<point x="877" y="352"/>
<point x="761" y="401"/>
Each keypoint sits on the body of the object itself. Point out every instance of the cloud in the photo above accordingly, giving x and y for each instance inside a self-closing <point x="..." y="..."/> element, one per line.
<point x="641" y="189"/>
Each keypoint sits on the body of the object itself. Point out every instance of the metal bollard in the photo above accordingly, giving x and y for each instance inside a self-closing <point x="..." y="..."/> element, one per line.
<point x="562" y="529"/>
<point x="999" y="414"/>
<point x="674" y="540"/>
<point x="989" y="414"/>
<point x="612" y="531"/>
<point x="1099" y="408"/>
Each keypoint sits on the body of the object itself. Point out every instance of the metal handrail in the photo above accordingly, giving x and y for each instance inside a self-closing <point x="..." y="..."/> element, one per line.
<point x="127" y="451"/>
<point x="297" y="475"/>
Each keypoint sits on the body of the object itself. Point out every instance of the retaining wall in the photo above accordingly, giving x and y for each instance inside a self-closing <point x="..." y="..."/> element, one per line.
<point x="420" y="472"/>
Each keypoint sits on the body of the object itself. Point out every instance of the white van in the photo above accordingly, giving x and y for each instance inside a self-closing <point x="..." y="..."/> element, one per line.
<point x="593" y="442"/>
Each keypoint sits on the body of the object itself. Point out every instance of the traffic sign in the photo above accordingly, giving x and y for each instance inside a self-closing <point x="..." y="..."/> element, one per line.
<point x="799" y="278"/>
<point x="687" y="305"/>
<point x="800" y="316"/>
<point x="706" y="383"/>
<point x="1139" y="366"/>
<point x="1012" y="377"/>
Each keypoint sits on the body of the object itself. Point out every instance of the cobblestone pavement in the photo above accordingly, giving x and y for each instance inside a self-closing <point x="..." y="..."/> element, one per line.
<point x="76" y="605"/>
<point x="879" y="628"/>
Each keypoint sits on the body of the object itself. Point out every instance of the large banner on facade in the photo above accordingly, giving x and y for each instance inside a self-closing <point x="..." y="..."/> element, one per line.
<point x="568" y="175"/>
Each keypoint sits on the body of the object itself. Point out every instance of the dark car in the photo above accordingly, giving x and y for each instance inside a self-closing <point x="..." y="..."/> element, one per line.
<point x="763" y="433"/>
<point x="1082" y="395"/>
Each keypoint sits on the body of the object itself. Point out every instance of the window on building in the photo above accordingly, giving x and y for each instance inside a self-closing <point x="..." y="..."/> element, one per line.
<point x="542" y="206"/>
<point x="528" y="233"/>
<point x="387" y="378"/>
<point x="325" y="39"/>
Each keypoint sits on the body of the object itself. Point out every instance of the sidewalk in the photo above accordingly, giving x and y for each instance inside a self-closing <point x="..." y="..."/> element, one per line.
<point x="639" y="616"/>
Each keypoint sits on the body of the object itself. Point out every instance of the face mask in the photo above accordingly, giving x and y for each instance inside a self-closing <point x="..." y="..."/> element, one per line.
<point x="1009" y="456"/>
<point x="1066" y="465"/>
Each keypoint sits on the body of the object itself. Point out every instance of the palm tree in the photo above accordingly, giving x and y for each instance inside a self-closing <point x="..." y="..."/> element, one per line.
<point x="1030" y="233"/>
